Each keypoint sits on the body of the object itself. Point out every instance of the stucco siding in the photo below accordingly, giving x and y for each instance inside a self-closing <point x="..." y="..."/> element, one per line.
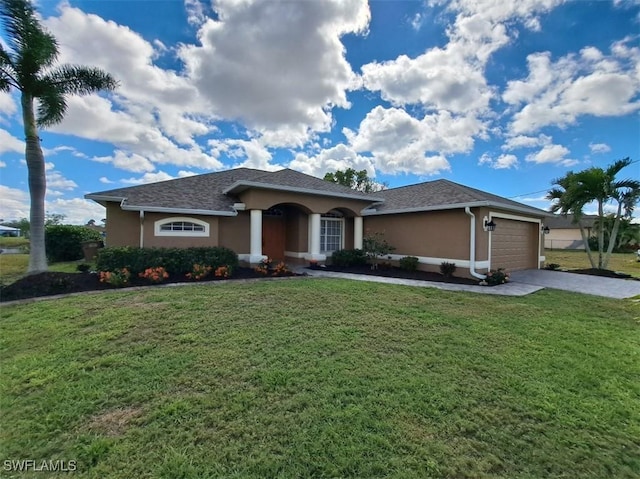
<point x="235" y="232"/>
<point x="439" y="234"/>
<point x="153" y="241"/>
<point x="123" y="227"/>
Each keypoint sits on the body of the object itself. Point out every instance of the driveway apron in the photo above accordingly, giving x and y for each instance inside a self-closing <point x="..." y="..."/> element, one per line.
<point x="579" y="283"/>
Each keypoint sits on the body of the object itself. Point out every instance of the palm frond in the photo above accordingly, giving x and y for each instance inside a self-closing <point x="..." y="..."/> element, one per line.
<point x="80" y="80"/>
<point x="52" y="106"/>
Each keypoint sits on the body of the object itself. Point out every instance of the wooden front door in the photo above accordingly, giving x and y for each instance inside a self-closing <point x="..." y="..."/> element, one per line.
<point x="273" y="237"/>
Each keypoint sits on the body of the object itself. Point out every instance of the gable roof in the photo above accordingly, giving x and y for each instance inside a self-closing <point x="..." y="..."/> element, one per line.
<point x="560" y="222"/>
<point x="442" y="195"/>
<point x="216" y="193"/>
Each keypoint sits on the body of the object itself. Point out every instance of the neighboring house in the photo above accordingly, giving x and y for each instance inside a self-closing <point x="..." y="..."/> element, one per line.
<point x="565" y="234"/>
<point x="287" y="215"/>
<point x="9" y="231"/>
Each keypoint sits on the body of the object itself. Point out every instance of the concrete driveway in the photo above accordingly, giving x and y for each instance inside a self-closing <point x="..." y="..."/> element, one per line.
<point x="579" y="283"/>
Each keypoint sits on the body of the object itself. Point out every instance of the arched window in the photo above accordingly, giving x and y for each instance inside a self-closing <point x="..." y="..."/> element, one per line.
<point x="180" y="226"/>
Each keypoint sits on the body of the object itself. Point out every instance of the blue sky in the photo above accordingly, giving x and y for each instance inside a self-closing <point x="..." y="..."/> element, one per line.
<point x="499" y="95"/>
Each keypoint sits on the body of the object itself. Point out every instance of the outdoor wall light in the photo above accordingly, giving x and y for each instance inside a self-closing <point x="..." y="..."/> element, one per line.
<point x="545" y="230"/>
<point x="489" y="225"/>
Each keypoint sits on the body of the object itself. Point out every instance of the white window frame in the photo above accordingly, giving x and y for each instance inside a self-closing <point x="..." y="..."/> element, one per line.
<point x="323" y="241"/>
<point x="185" y="234"/>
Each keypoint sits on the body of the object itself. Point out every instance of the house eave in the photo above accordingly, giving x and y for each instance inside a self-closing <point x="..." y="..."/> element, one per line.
<point x="242" y="185"/>
<point x="454" y="206"/>
<point x="101" y="199"/>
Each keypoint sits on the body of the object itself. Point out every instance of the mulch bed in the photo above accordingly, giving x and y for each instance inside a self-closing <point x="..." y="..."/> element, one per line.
<point x="52" y="283"/>
<point x="606" y="273"/>
<point x="394" y="272"/>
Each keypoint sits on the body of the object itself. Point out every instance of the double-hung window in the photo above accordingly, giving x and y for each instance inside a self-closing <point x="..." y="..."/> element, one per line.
<point x="331" y="232"/>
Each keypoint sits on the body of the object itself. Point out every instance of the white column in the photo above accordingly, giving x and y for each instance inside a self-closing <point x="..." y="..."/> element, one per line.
<point x="357" y="232"/>
<point x="314" y="238"/>
<point x="255" y="255"/>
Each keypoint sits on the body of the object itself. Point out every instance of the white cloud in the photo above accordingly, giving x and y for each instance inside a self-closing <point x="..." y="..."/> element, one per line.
<point x="504" y="161"/>
<point x="55" y="179"/>
<point x="277" y="65"/>
<point x="3" y="164"/>
<point x="399" y="142"/>
<point x="105" y="180"/>
<point x="14" y="204"/>
<point x="416" y="21"/>
<point x="195" y="12"/>
<point x="77" y="211"/>
<point x="9" y="143"/>
<point x="591" y="83"/>
<point x="339" y="157"/>
<point x="523" y="141"/>
<point x="8" y="106"/>
<point x="551" y="153"/>
<point x="131" y="162"/>
<point x="253" y="152"/>
<point x="599" y="148"/>
<point x="155" y="177"/>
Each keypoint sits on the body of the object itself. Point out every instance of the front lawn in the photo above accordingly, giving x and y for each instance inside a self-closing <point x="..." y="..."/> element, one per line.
<point x="572" y="259"/>
<point x="14" y="266"/>
<point x="321" y="378"/>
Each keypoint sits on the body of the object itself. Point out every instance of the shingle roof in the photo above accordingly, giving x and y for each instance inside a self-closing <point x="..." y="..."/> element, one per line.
<point x="207" y="192"/>
<point x="443" y="194"/>
<point x="566" y="222"/>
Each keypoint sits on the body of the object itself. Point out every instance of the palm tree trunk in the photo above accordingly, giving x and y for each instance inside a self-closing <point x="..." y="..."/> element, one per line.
<point x="585" y="240"/>
<point x="600" y="233"/>
<point x="37" y="187"/>
<point x="614" y="234"/>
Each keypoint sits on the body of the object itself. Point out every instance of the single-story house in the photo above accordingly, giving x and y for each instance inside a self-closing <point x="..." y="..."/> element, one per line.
<point x="565" y="234"/>
<point x="9" y="231"/>
<point x="287" y="215"/>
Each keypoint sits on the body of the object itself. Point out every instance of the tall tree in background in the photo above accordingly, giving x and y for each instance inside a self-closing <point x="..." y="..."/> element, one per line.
<point x="575" y="190"/>
<point x="357" y="180"/>
<point x="28" y="64"/>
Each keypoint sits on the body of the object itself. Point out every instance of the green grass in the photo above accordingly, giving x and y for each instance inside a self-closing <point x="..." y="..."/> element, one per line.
<point x="13" y="242"/>
<point x="312" y="378"/>
<point x="571" y="259"/>
<point x="14" y="267"/>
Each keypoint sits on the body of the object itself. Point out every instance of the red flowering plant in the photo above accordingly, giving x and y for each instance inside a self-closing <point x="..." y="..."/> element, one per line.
<point x="199" y="271"/>
<point x="264" y="266"/>
<point x="281" y="269"/>
<point x="155" y="275"/>
<point x="223" y="272"/>
<point x="117" y="278"/>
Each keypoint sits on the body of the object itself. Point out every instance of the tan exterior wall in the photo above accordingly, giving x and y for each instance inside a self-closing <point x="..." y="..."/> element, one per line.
<point x="123" y="227"/>
<point x="564" y="239"/>
<point x="436" y="234"/>
<point x="235" y="232"/>
<point x="153" y="241"/>
<point x="264" y="199"/>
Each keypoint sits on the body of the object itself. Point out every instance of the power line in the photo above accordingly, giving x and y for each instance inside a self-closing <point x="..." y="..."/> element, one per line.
<point x="527" y="194"/>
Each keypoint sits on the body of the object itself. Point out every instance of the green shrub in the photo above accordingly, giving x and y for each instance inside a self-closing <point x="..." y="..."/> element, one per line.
<point x="409" y="263"/>
<point x="552" y="266"/>
<point x="64" y="242"/>
<point x="83" y="267"/>
<point x="348" y="257"/>
<point x="173" y="260"/>
<point x="497" y="276"/>
<point x="447" y="269"/>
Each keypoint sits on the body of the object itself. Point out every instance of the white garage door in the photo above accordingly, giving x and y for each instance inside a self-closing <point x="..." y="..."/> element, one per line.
<point x="514" y="245"/>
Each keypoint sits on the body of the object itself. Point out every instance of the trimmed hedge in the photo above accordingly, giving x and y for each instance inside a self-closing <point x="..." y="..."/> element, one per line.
<point x="64" y="242"/>
<point x="174" y="260"/>
<point x="349" y="257"/>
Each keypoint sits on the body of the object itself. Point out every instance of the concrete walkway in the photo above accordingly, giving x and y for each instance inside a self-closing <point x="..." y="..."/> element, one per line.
<point x="521" y="284"/>
<point x="579" y="283"/>
<point x="508" y="289"/>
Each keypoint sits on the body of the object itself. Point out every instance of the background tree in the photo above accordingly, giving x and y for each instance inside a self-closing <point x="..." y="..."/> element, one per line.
<point x="28" y="64"/>
<point x="575" y="190"/>
<point x="357" y="180"/>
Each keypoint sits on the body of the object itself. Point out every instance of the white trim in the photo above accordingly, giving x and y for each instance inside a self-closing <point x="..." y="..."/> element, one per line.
<point x="462" y="263"/>
<point x="455" y="206"/>
<point x="357" y="232"/>
<point x="185" y="211"/>
<point x="296" y="254"/>
<point x="255" y="235"/>
<point x="141" y="229"/>
<point x="184" y="234"/>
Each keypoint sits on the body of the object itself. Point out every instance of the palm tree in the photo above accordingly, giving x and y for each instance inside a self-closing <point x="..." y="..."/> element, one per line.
<point x="29" y="65"/>
<point x="575" y="190"/>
